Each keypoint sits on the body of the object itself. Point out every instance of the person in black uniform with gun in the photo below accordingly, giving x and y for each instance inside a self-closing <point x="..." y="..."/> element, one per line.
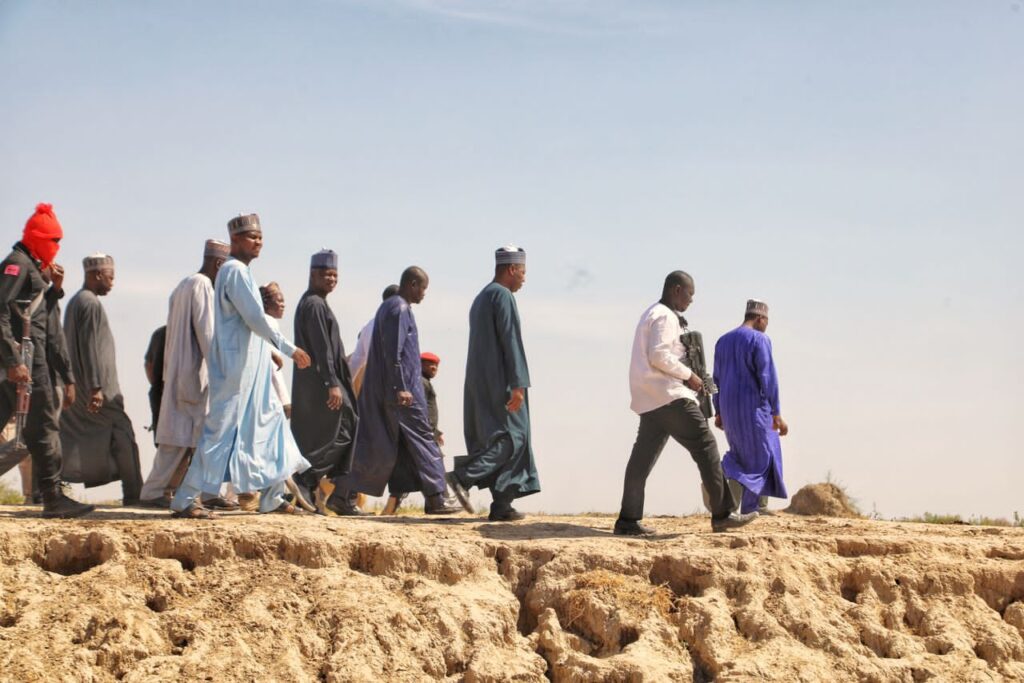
<point x="27" y="389"/>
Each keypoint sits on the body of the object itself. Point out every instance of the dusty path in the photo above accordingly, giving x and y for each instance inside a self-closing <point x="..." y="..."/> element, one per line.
<point x="137" y="596"/>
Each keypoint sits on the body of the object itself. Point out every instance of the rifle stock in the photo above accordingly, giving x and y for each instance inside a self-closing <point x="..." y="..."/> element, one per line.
<point x="694" y="358"/>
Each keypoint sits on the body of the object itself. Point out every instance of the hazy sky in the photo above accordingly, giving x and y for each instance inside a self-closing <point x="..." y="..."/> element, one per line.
<point x="860" y="166"/>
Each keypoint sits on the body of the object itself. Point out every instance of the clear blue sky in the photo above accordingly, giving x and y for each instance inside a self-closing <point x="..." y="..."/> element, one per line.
<point x="860" y="166"/>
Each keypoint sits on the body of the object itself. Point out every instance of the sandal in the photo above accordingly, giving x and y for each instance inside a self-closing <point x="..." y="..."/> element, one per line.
<point x="193" y="512"/>
<point x="219" y="503"/>
<point x="289" y="509"/>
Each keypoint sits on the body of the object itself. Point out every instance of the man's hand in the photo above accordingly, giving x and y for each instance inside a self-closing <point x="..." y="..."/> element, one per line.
<point x="276" y="357"/>
<point x="440" y="439"/>
<point x="69" y="395"/>
<point x="695" y="382"/>
<point x="779" y="425"/>
<point x="718" y="421"/>
<point x="95" y="401"/>
<point x="516" y="402"/>
<point x="288" y="411"/>
<point x="404" y="398"/>
<point x="334" y="398"/>
<point x="57" y="275"/>
<point x="19" y="373"/>
<point x="301" y="359"/>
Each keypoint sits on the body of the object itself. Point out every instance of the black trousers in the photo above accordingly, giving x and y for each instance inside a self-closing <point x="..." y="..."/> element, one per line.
<point x="41" y="433"/>
<point x="683" y="421"/>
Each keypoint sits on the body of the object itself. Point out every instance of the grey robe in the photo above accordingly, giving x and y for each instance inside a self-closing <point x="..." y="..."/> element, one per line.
<point x="98" y="448"/>
<point x="186" y="384"/>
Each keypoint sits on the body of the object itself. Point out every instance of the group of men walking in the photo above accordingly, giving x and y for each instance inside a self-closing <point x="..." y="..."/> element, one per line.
<point x="227" y="432"/>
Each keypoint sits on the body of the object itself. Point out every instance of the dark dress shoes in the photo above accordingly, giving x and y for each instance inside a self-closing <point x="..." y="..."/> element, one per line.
<point x="509" y="514"/>
<point x="631" y="528"/>
<point x="437" y="505"/>
<point x="733" y="521"/>
<point x="345" y="508"/>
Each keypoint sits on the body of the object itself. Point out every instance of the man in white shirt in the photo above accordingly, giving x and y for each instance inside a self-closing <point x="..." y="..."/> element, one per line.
<point x="357" y="361"/>
<point x="664" y="394"/>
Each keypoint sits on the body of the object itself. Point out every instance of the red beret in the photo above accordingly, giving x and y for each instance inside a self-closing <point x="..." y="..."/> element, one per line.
<point x="432" y="357"/>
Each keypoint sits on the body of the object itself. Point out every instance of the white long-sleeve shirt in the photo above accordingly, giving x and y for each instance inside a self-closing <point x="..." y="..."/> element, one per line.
<point x="657" y="374"/>
<point x="362" y="353"/>
<point x="280" y="388"/>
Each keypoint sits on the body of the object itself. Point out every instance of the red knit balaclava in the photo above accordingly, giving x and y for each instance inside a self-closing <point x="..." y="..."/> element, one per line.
<point x="41" y="230"/>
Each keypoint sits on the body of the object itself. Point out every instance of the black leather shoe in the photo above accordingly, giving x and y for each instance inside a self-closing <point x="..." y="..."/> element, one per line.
<point x="629" y="528"/>
<point x="437" y="505"/>
<point x="58" y="506"/>
<point x="460" y="492"/>
<point x="733" y="521"/>
<point x="509" y="514"/>
<point x="344" y="508"/>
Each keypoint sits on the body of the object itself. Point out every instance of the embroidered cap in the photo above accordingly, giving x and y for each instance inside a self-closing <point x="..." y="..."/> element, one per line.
<point x="244" y="223"/>
<point x="97" y="261"/>
<point x="757" y="307"/>
<point x="509" y="254"/>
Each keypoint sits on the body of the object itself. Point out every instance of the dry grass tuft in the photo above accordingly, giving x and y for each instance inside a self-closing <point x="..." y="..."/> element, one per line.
<point x="630" y="594"/>
<point x="10" y="496"/>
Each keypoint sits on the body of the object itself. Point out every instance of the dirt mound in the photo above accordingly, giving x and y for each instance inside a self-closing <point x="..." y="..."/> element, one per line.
<point x="823" y="499"/>
<point x="140" y="597"/>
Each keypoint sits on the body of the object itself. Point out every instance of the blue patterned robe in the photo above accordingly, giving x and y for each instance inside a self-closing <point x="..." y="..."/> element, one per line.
<point x="747" y="398"/>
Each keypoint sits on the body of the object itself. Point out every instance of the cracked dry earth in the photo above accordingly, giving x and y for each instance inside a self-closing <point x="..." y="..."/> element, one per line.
<point x="136" y="596"/>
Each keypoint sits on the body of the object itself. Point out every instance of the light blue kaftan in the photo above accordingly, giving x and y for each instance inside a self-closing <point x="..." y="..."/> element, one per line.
<point x="245" y="437"/>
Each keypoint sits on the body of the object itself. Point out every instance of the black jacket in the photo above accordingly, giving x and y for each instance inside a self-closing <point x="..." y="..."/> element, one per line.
<point x="21" y="281"/>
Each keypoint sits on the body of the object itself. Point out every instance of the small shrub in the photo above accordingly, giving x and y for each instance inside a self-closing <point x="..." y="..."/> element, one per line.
<point x="10" y="495"/>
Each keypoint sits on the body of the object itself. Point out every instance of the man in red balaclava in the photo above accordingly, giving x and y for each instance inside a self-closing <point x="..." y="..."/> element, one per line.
<point x="22" y="287"/>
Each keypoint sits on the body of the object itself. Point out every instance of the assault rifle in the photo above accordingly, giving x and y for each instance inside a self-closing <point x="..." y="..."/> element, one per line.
<point x="694" y="358"/>
<point x="24" y="390"/>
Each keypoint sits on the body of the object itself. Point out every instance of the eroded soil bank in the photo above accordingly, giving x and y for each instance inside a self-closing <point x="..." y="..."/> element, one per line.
<point x="136" y="596"/>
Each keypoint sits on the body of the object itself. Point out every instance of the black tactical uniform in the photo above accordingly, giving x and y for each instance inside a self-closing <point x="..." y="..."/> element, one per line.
<point x="21" y="281"/>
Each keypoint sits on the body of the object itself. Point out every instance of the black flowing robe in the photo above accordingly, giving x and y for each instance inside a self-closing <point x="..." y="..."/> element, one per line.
<point x="324" y="436"/>
<point x="98" y="447"/>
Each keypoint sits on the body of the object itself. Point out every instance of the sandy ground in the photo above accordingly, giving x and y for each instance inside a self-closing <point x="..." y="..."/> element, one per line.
<point x="137" y="596"/>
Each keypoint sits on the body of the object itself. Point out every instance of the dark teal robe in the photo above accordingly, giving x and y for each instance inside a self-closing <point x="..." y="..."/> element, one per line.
<point x="500" y="455"/>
